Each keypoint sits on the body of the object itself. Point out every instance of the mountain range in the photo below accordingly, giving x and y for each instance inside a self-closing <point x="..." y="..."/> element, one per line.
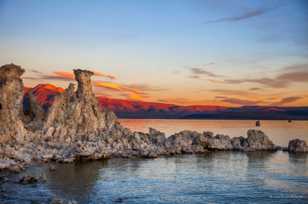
<point x="45" y="94"/>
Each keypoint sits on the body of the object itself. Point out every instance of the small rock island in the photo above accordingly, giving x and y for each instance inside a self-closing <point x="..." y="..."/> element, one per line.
<point x="76" y="128"/>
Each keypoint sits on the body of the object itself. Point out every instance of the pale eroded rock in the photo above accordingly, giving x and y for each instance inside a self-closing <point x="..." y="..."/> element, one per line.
<point x="11" y="95"/>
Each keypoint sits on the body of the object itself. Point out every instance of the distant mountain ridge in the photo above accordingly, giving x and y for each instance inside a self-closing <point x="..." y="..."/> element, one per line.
<point x="45" y="94"/>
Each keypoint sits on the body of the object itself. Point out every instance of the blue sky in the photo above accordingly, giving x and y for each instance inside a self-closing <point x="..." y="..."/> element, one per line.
<point x="155" y="44"/>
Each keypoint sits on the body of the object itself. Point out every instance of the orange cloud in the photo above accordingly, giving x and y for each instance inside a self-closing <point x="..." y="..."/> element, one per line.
<point x="62" y="75"/>
<point x="132" y="93"/>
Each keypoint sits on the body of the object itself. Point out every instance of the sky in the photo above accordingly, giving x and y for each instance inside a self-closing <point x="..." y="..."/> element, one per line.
<point x="186" y="52"/>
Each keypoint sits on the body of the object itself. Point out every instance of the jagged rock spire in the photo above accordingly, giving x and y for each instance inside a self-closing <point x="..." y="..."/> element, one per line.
<point x="76" y="113"/>
<point x="11" y="95"/>
<point x="83" y="77"/>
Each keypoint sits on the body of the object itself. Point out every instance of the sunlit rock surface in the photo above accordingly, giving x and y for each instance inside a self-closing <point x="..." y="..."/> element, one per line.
<point x="11" y="95"/>
<point x="77" y="113"/>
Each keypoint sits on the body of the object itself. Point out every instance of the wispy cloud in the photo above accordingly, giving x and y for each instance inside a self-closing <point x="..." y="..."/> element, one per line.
<point x="131" y="91"/>
<point x="287" y="100"/>
<point x="35" y="71"/>
<point x="198" y="72"/>
<point x="59" y="75"/>
<point x="237" y="101"/>
<point x="282" y="80"/>
<point x="243" y="16"/>
<point x="255" y="89"/>
<point x="145" y="87"/>
<point x="231" y="92"/>
<point x="134" y="94"/>
<point x="274" y="83"/>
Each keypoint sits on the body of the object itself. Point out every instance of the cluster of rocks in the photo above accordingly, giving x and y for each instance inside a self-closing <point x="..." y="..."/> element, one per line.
<point x="75" y="128"/>
<point x="297" y="145"/>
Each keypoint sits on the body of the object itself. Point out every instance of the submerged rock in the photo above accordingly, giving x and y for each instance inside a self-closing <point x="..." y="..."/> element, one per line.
<point x="62" y="201"/>
<point x="297" y="145"/>
<point x="28" y="179"/>
<point x="10" y="165"/>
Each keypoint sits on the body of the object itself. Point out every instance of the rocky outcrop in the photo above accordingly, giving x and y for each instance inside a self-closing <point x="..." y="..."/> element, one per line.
<point x="75" y="128"/>
<point x="256" y="141"/>
<point x="76" y="114"/>
<point x="218" y="142"/>
<point x="11" y="95"/>
<point x="297" y="145"/>
<point x="185" y="142"/>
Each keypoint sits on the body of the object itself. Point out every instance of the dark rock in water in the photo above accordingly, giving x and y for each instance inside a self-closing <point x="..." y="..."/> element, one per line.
<point x="57" y="201"/>
<point x="28" y="180"/>
<point x="3" y="179"/>
<point x="297" y="145"/>
<point x="62" y="201"/>
<point x="258" y="123"/>
<point x="10" y="165"/>
<point x="52" y="168"/>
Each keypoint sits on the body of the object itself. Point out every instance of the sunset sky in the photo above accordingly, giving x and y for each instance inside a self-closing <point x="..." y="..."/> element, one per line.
<point x="229" y="53"/>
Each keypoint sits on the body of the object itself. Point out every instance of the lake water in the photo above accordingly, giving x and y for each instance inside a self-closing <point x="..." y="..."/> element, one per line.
<point x="279" y="131"/>
<point x="216" y="177"/>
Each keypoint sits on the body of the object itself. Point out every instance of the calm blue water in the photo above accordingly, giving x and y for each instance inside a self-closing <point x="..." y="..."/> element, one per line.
<point x="218" y="177"/>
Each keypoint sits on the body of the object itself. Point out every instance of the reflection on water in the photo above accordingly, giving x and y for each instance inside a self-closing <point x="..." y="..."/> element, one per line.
<point x="74" y="181"/>
<point x="279" y="131"/>
<point x="216" y="177"/>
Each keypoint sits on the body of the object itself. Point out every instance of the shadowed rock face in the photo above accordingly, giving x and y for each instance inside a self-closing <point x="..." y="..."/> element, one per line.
<point x="76" y="114"/>
<point x="11" y="95"/>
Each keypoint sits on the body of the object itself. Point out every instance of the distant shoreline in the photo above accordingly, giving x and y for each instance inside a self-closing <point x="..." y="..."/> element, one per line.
<point x="175" y="118"/>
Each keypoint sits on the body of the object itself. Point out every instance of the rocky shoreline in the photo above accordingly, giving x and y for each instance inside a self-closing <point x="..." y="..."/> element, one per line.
<point x="75" y="128"/>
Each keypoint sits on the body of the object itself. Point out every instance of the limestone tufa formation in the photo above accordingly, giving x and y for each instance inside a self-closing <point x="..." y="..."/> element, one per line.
<point x="76" y="114"/>
<point x="11" y="95"/>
